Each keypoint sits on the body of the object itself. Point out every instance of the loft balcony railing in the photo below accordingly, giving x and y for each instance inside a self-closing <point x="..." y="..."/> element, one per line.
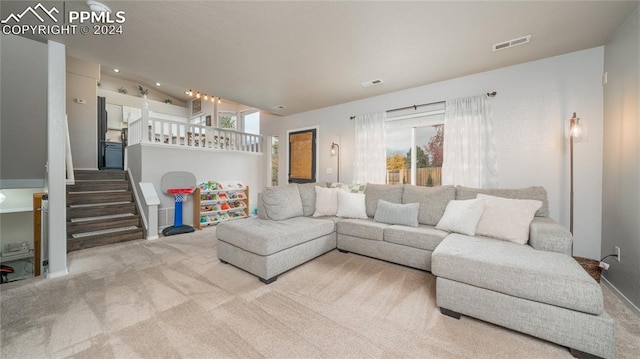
<point x="185" y="135"/>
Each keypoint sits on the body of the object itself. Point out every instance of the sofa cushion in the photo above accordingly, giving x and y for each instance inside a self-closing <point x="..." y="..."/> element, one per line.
<point x="433" y="201"/>
<point x="351" y="205"/>
<point x="282" y="202"/>
<point x="396" y="213"/>
<point x="389" y="193"/>
<point x="266" y="237"/>
<point x="326" y="202"/>
<point x="462" y="216"/>
<point x="422" y="237"/>
<point x="537" y="193"/>
<point x="362" y="228"/>
<point x="507" y="219"/>
<point x="517" y="270"/>
<point x="308" y="196"/>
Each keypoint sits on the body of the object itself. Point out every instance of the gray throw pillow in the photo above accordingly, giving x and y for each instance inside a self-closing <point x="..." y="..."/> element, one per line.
<point x="394" y="213"/>
<point x="282" y="202"/>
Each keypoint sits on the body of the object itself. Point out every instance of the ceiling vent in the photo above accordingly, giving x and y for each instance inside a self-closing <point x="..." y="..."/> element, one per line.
<point x="511" y="43"/>
<point x="279" y="107"/>
<point x="372" y="83"/>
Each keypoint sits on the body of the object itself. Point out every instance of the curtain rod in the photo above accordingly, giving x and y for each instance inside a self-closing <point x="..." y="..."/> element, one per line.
<point x="415" y="107"/>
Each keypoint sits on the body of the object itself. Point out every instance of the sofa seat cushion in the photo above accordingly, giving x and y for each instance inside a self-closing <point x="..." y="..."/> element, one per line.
<point x="362" y="228"/>
<point x="517" y="270"/>
<point x="266" y="237"/>
<point x="422" y="237"/>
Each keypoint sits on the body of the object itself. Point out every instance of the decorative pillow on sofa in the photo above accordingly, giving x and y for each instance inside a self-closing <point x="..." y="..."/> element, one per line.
<point x="326" y="201"/>
<point x="537" y="193"/>
<point x="395" y="213"/>
<point x="507" y="219"/>
<point x="281" y="202"/>
<point x="351" y="205"/>
<point x="462" y="216"/>
<point x="353" y="188"/>
<point x="308" y="196"/>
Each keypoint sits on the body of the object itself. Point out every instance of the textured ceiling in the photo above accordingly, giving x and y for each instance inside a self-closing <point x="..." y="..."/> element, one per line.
<point x="308" y="55"/>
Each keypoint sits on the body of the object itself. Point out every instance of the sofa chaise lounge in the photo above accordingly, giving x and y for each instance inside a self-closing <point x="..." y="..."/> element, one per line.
<point x="536" y="288"/>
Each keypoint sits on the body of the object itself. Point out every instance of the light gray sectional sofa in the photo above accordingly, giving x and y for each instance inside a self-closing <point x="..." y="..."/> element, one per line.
<point x="535" y="288"/>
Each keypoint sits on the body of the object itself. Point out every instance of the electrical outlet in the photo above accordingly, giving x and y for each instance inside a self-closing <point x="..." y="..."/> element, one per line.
<point x="618" y="253"/>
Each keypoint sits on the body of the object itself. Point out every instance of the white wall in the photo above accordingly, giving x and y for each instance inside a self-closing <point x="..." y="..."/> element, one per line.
<point x="621" y="184"/>
<point x="23" y="117"/>
<point x="82" y="78"/>
<point x="112" y="84"/>
<point x="133" y="101"/>
<point x="534" y="101"/>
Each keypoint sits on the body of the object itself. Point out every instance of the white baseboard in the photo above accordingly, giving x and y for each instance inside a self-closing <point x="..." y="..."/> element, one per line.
<point x="625" y="300"/>
<point x="57" y="274"/>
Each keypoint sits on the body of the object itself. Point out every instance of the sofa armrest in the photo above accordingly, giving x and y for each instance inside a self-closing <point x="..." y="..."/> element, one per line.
<point x="548" y="235"/>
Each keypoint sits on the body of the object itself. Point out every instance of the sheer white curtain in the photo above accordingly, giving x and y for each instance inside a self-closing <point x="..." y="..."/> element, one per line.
<point x="469" y="148"/>
<point x="370" y="158"/>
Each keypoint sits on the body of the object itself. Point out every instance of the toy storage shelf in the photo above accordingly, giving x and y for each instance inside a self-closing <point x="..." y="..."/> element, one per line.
<point x="212" y="206"/>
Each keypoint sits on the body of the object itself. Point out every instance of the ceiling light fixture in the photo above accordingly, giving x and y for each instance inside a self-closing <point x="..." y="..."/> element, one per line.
<point x="158" y="84"/>
<point x="98" y="7"/>
<point x="116" y="70"/>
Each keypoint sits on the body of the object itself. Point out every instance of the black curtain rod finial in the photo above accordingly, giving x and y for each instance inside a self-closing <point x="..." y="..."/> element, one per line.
<point x="352" y="117"/>
<point x="492" y="94"/>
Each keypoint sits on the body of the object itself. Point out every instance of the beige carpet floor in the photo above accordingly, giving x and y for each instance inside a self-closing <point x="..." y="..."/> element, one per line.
<point x="172" y="298"/>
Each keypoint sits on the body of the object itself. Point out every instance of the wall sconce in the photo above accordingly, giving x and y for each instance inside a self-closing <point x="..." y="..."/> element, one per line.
<point x="335" y="151"/>
<point x="577" y="132"/>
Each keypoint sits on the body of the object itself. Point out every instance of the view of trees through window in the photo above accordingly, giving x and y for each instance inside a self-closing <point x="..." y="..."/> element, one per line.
<point x="227" y="120"/>
<point x="427" y="152"/>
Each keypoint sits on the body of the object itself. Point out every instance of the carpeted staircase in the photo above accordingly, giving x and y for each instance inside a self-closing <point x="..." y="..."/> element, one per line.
<point x="101" y="210"/>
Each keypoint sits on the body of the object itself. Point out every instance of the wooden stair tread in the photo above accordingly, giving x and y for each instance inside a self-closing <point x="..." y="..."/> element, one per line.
<point x="101" y="210"/>
<point x="104" y="239"/>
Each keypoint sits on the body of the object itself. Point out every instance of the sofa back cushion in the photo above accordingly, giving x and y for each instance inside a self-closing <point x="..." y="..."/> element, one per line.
<point x="537" y="193"/>
<point x="281" y="202"/>
<point x="433" y="201"/>
<point x="374" y="192"/>
<point x="308" y="196"/>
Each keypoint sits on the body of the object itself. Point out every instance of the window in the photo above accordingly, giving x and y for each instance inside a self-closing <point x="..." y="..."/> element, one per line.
<point x="228" y="120"/>
<point x="251" y="122"/>
<point x="274" y="160"/>
<point x="414" y="147"/>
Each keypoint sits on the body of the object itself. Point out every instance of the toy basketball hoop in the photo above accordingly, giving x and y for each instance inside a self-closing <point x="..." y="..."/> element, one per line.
<point x="180" y="185"/>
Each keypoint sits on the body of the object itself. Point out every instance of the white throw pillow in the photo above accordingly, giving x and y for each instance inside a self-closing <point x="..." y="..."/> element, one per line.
<point x="462" y="216"/>
<point x="326" y="202"/>
<point x="351" y="205"/>
<point x="507" y="219"/>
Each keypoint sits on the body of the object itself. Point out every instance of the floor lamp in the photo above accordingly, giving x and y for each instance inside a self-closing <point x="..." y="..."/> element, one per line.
<point x="576" y="133"/>
<point x="335" y="151"/>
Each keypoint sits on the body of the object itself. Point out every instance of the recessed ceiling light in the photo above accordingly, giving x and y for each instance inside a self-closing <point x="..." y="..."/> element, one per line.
<point x="116" y="70"/>
<point x="279" y="107"/>
<point x="372" y="83"/>
<point x="98" y="7"/>
<point x="158" y="84"/>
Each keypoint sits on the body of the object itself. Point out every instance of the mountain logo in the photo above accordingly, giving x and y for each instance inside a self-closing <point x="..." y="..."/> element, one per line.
<point x="35" y="12"/>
